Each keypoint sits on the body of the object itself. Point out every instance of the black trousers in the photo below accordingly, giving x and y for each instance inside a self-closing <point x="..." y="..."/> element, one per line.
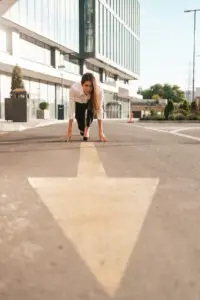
<point x="83" y="115"/>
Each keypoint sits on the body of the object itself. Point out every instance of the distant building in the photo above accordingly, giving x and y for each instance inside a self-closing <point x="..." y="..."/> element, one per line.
<point x="188" y="95"/>
<point x="144" y="106"/>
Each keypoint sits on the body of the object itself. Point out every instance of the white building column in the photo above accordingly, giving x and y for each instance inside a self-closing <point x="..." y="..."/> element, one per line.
<point x="56" y="58"/>
<point x="15" y="39"/>
<point x="13" y="43"/>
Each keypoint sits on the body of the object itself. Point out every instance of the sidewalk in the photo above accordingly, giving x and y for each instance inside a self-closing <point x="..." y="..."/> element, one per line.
<point x="11" y="126"/>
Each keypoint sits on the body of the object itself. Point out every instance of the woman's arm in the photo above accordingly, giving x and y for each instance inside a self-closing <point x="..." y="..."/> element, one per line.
<point x="100" y="119"/>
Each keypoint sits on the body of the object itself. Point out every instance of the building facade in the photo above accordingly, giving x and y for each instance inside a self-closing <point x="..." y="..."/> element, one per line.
<point x="55" y="42"/>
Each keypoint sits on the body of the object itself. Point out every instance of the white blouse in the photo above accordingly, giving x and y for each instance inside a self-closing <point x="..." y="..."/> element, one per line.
<point x="76" y="94"/>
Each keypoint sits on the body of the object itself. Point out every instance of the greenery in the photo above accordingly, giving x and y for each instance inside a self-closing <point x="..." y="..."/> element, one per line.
<point x="176" y="117"/>
<point x="169" y="108"/>
<point x="43" y="105"/>
<point x="177" y="108"/>
<point x="184" y="105"/>
<point x="175" y="112"/>
<point x="193" y="106"/>
<point x="155" y="97"/>
<point x="17" y="79"/>
<point x="166" y="91"/>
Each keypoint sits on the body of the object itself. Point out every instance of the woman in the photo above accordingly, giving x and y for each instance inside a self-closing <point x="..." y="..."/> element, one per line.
<point x="85" y="102"/>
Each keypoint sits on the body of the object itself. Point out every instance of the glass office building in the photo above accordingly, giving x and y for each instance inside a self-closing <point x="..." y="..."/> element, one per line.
<point x="55" y="41"/>
<point x="112" y="34"/>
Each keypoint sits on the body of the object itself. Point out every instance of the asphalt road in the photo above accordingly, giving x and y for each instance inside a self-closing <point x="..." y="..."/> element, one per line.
<point x="37" y="259"/>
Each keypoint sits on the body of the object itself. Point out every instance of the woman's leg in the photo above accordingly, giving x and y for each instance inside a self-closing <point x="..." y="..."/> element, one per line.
<point x="80" y="111"/>
<point x="89" y="120"/>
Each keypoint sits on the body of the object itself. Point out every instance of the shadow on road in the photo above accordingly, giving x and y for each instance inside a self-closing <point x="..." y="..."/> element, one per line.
<point x="32" y="144"/>
<point x="65" y="146"/>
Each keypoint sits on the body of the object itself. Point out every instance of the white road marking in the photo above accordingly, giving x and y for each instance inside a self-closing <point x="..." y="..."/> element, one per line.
<point x="174" y="132"/>
<point x="101" y="216"/>
<point x="185" y="129"/>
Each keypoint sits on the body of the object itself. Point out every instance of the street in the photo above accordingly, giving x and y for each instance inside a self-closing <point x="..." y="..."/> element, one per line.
<point x="88" y="220"/>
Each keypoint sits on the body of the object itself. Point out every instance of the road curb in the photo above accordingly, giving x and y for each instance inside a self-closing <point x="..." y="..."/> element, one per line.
<point x="6" y="128"/>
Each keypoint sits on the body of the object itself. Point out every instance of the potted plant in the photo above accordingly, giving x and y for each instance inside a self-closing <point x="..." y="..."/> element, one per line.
<point x="16" y="105"/>
<point x="17" y="80"/>
<point x="43" y="112"/>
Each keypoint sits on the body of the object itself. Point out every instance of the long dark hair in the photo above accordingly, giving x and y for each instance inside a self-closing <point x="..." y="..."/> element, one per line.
<point x="95" y="99"/>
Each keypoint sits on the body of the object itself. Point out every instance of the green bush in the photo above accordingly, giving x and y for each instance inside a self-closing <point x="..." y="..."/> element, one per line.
<point x="43" y="105"/>
<point x="192" y="117"/>
<point x="153" y="118"/>
<point x="180" y="117"/>
<point x="153" y="113"/>
<point x="168" y="109"/>
<point x="146" y="117"/>
<point x="193" y="106"/>
<point x="160" y="118"/>
<point x="184" y="105"/>
<point x="171" y="117"/>
<point x="182" y="112"/>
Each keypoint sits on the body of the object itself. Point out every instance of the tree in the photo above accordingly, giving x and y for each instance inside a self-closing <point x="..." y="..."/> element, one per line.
<point x="165" y="91"/>
<point x="180" y="97"/>
<point x="193" y="106"/>
<point x="155" y="97"/>
<point x="157" y="89"/>
<point x="168" y="91"/>
<point x="168" y="109"/>
<point x="17" y="79"/>
<point x="184" y="105"/>
<point x="147" y="94"/>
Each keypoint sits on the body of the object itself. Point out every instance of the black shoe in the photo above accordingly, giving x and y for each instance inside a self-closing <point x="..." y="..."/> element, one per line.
<point x="85" y="138"/>
<point x="81" y="132"/>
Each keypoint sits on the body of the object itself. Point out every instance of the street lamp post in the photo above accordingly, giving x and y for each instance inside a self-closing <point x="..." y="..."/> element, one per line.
<point x="62" y="83"/>
<point x="62" y="88"/>
<point x="194" y="11"/>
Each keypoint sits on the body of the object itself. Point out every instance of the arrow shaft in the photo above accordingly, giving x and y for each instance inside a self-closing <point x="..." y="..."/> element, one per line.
<point x="89" y="163"/>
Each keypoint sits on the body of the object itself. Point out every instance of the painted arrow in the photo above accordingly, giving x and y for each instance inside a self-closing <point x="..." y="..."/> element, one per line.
<point x="101" y="216"/>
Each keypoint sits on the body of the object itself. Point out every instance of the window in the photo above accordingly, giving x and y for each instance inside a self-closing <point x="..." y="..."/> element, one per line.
<point x="34" y="50"/>
<point x="38" y="16"/>
<point x="89" y="15"/>
<point x="101" y="28"/>
<point x="105" y="38"/>
<point x="55" y="19"/>
<point x="3" y="39"/>
<point x="31" y="13"/>
<point x="51" y="99"/>
<point x="23" y="5"/>
<point x="45" y="17"/>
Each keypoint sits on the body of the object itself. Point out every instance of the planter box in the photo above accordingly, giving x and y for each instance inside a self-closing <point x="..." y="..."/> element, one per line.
<point x="43" y="114"/>
<point x="16" y="109"/>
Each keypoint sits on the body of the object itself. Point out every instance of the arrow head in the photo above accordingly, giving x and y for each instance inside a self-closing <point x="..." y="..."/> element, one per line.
<point x="102" y="217"/>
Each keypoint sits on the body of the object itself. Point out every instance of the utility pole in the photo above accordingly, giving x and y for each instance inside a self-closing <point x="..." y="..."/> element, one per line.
<point x="194" y="11"/>
<point x="189" y="82"/>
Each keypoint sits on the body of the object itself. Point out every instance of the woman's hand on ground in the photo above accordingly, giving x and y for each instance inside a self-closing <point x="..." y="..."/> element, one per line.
<point x="68" y="137"/>
<point x="102" y="138"/>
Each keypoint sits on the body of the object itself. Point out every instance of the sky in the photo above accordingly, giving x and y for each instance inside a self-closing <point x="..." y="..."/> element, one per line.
<point x="167" y="43"/>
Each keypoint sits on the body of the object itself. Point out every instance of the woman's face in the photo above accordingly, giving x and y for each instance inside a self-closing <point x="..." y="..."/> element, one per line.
<point x="87" y="87"/>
